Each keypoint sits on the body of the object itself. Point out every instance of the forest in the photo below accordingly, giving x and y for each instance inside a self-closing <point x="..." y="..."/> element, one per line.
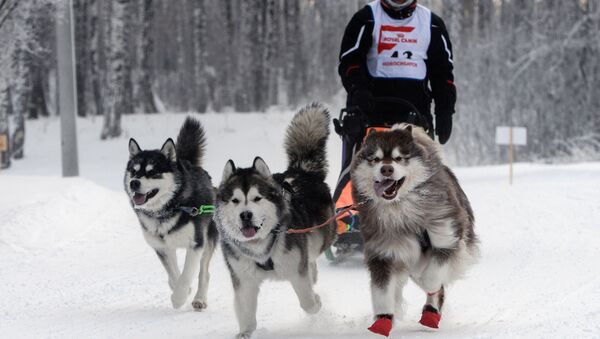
<point x="517" y="63"/>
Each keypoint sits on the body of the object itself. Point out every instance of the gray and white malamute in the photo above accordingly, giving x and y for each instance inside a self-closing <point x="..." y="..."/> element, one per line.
<point x="415" y="219"/>
<point x="166" y="188"/>
<point x="255" y="208"/>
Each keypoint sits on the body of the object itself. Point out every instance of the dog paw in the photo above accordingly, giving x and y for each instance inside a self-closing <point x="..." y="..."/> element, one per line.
<point x="430" y="319"/>
<point x="180" y="296"/>
<point x="382" y="326"/>
<point x="244" y="335"/>
<point x="314" y="307"/>
<point x="199" y="305"/>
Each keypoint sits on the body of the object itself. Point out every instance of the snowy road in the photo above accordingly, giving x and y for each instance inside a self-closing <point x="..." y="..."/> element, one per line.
<point x="74" y="263"/>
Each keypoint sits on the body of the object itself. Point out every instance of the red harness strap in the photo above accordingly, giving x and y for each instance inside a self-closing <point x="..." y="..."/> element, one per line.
<point x="431" y="294"/>
<point x="327" y="222"/>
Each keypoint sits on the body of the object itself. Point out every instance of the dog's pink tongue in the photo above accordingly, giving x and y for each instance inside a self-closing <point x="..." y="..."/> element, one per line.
<point x="249" y="232"/>
<point x="139" y="199"/>
<point x="381" y="186"/>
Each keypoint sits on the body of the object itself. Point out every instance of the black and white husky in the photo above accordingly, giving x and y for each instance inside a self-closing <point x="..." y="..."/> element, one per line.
<point x="166" y="187"/>
<point x="255" y="208"/>
<point x="415" y="219"/>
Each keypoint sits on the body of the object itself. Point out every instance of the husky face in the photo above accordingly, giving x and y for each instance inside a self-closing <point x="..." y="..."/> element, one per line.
<point x="249" y="205"/>
<point x="150" y="179"/>
<point x="388" y="165"/>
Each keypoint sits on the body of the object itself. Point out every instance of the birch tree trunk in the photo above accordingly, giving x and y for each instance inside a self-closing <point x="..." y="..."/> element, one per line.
<point x="6" y="109"/>
<point x="268" y="91"/>
<point x="243" y="99"/>
<point x="117" y="77"/>
<point x="82" y="47"/>
<point x="93" y="77"/>
<point x="200" y="56"/>
<point x="144" y="95"/>
<point x="22" y="66"/>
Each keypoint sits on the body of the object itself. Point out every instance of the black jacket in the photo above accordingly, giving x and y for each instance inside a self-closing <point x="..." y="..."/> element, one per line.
<point x="438" y="84"/>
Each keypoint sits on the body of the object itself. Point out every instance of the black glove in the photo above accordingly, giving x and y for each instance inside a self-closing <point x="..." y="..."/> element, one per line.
<point x="443" y="127"/>
<point x="354" y="125"/>
<point x="362" y="98"/>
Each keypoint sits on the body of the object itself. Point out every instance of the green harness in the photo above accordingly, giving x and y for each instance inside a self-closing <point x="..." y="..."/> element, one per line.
<point x="196" y="211"/>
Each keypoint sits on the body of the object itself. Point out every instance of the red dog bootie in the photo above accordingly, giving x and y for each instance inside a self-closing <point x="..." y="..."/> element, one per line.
<point x="382" y="326"/>
<point x="430" y="319"/>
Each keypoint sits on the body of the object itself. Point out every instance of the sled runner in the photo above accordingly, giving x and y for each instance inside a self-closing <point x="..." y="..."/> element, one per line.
<point x="353" y="126"/>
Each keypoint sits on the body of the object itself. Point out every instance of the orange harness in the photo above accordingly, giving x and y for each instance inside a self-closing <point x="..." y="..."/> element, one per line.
<point x="327" y="222"/>
<point x="345" y="198"/>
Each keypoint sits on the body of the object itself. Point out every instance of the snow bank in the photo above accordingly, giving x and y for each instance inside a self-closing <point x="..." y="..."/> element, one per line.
<point x="229" y="136"/>
<point x="45" y="213"/>
<point x="74" y="263"/>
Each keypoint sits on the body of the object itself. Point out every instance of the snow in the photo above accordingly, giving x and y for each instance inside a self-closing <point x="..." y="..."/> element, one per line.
<point x="74" y="262"/>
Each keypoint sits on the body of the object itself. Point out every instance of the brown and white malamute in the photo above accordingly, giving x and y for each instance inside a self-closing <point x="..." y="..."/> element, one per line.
<point x="416" y="221"/>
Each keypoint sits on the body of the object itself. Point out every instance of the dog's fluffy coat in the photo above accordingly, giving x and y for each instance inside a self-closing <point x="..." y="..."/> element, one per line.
<point x="159" y="184"/>
<point x="415" y="219"/>
<point x="255" y="208"/>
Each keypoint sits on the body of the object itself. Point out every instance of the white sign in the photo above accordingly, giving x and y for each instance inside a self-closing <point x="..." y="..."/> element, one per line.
<point x="503" y="135"/>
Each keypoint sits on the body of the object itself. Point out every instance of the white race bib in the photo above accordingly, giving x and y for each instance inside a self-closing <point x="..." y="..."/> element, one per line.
<point x="399" y="48"/>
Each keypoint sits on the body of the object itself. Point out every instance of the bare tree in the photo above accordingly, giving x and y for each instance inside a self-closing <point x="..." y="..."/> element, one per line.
<point x="117" y="75"/>
<point x="532" y="63"/>
<point x="200" y="56"/>
<point x="22" y="66"/>
<point x="144" y="72"/>
<point x="5" y="111"/>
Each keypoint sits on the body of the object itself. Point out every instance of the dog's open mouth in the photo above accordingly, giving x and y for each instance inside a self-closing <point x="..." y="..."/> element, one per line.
<point x="140" y="199"/>
<point x="388" y="188"/>
<point x="249" y="231"/>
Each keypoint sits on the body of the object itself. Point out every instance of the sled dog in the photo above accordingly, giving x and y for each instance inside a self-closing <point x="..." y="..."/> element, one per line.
<point x="255" y="208"/>
<point x="416" y="221"/>
<point x="172" y="197"/>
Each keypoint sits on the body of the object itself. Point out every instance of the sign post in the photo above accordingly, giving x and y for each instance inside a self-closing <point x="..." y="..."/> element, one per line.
<point x="4" y="158"/>
<point x="511" y="136"/>
<point x="4" y="140"/>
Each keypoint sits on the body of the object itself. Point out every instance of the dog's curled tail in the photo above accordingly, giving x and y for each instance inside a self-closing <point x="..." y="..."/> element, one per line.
<point x="306" y="139"/>
<point x="191" y="142"/>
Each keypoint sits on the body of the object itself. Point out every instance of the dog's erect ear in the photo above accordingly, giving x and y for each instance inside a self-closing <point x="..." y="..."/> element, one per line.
<point x="261" y="167"/>
<point x="370" y="137"/>
<point x="134" y="148"/>
<point x="168" y="150"/>
<point x="404" y="133"/>
<point x="409" y="132"/>
<point x="228" y="171"/>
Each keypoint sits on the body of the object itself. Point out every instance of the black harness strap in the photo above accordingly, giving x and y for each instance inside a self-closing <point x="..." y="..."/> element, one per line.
<point x="424" y="241"/>
<point x="267" y="266"/>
